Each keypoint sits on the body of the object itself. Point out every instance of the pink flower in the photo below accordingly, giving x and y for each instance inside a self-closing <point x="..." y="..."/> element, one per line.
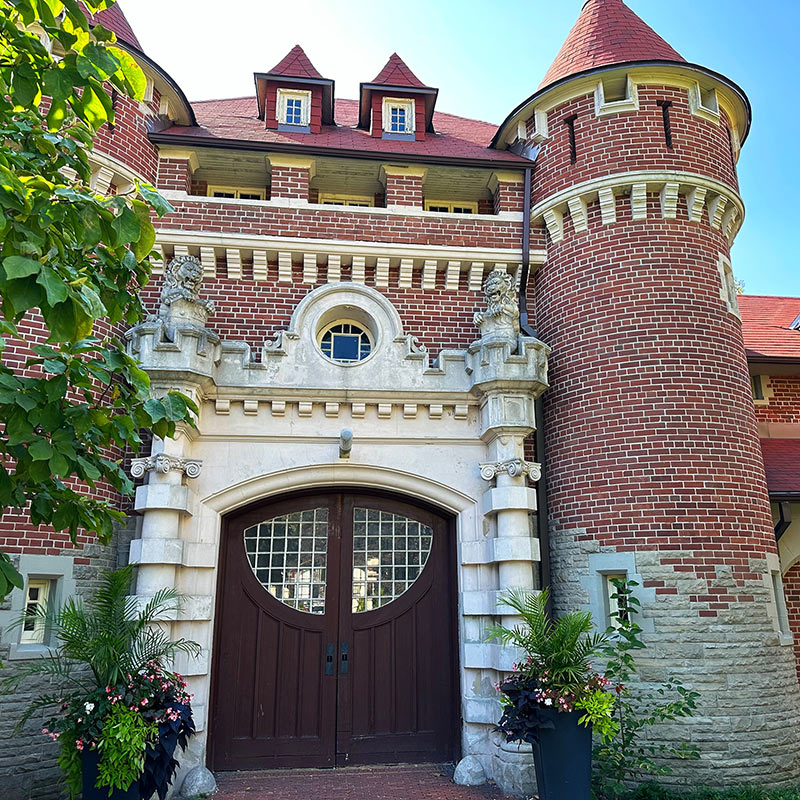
<point x="79" y="744"/>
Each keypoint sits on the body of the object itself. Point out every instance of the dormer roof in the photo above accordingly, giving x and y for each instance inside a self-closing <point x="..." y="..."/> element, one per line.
<point x="295" y="68"/>
<point x="607" y="32"/>
<point x="296" y="64"/>
<point x="397" y="78"/>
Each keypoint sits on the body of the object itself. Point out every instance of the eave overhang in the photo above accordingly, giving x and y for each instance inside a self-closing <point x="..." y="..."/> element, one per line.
<point x="498" y="141"/>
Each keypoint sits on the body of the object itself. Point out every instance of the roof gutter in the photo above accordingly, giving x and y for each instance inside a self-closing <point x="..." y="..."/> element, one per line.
<point x="311" y="150"/>
<point x="542" y="511"/>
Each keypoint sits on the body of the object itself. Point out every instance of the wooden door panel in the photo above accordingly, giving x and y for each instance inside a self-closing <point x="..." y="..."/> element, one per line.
<point x="395" y="699"/>
<point x="273" y="704"/>
<point x="398" y="700"/>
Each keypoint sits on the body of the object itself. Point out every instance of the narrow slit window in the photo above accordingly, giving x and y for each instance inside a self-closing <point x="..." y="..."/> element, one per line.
<point x="573" y="147"/>
<point x="665" y="106"/>
<point x="616" y="605"/>
<point x="758" y="387"/>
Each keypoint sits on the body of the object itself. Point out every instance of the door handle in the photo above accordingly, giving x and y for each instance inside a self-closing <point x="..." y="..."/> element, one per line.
<point x="329" y="653"/>
<point x="344" y="663"/>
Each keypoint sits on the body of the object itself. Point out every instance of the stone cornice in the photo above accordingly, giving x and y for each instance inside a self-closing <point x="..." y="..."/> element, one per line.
<point x="709" y="201"/>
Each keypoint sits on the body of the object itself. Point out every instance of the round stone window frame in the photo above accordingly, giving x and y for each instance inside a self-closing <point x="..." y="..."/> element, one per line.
<point x="334" y="303"/>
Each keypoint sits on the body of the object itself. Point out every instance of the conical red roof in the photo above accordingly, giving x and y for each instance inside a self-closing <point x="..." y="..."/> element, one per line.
<point x="114" y="20"/>
<point x="295" y="64"/>
<point x="397" y="73"/>
<point x="607" y="32"/>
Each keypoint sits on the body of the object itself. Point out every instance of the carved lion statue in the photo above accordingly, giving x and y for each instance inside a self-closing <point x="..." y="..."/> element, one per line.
<point x="182" y="280"/>
<point x="502" y="314"/>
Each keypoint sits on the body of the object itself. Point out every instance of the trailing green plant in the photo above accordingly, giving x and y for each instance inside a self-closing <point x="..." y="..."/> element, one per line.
<point x="557" y="672"/>
<point x="126" y="734"/>
<point x="108" y="667"/>
<point x="629" y="753"/>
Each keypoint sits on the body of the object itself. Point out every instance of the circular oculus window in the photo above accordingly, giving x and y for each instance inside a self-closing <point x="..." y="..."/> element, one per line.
<point x="345" y="342"/>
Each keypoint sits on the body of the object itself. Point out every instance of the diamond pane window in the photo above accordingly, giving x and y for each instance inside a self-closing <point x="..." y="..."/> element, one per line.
<point x="345" y="342"/>
<point x="289" y="556"/>
<point x="389" y="554"/>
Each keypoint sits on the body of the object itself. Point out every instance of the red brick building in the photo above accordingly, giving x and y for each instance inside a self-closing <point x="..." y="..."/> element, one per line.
<point x="436" y="358"/>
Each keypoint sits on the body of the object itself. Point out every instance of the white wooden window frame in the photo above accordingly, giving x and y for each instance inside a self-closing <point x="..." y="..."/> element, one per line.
<point x="611" y="602"/>
<point x="35" y="635"/>
<point x="327" y="198"/>
<point x="304" y="96"/>
<point x="236" y="191"/>
<point x="398" y="102"/>
<point x="450" y="204"/>
<point x="628" y="103"/>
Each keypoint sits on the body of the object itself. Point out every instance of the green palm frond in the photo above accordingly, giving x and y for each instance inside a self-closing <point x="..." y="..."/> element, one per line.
<point x="110" y="633"/>
<point x="564" y="646"/>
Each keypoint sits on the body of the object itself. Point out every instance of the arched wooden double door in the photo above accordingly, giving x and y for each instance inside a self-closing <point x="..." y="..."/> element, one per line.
<point x="335" y="637"/>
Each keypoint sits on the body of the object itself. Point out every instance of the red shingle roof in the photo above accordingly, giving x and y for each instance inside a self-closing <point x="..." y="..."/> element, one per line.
<point x="607" y="32"/>
<point x="782" y="463"/>
<point x="114" y="20"/>
<point x="766" y="326"/>
<point x="397" y="73"/>
<point x="296" y="64"/>
<point x="456" y="137"/>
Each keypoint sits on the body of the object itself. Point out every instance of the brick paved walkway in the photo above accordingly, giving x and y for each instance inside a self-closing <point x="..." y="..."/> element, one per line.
<point x="428" y="782"/>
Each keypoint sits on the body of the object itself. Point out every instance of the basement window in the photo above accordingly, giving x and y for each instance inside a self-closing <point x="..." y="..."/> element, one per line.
<point x="236" y="193"/>
<point x="37" y="594"/>
<point x="451" y="207"/>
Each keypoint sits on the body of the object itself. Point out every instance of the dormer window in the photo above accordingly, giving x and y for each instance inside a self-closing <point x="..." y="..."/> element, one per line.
<point x="294" y="110"/>
<point x="398" y="118"/>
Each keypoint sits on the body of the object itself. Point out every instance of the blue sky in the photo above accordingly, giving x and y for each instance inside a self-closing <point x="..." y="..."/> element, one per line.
<point x="486" y="57"/>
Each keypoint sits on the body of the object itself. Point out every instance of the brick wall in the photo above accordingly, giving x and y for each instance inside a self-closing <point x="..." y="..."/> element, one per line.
<point x="176" y="174"/>
<point x="127" y="141"/>
<point x="403" y="190"/>
<point x="631" y="141"/>
<point x="652" y="448"/>
<point x="324" y="223"/>
<point x="784" y="405"/>
<point x="289" y="182"/>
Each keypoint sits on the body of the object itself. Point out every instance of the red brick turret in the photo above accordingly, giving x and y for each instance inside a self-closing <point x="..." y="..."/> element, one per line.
<point x="653" y="460"/>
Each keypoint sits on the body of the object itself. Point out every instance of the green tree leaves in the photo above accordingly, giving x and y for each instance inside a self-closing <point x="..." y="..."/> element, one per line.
<point x="75" y="261"/>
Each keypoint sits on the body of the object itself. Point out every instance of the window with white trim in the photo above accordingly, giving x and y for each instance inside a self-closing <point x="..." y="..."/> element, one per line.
<point x="704" y="103"/>
<point x="236" y="192"/>
<point x="37" y="594"/>
<point x="398" y="117"/>
<point x="294" y="107"/>
<point x="451" y="207"/>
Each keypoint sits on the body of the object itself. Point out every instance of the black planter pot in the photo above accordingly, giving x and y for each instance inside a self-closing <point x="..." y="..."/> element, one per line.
<point x="563" y="757"/>
<point x="89" y="761"/>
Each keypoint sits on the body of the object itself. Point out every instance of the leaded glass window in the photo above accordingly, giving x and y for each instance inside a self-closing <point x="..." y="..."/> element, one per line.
<point x="289" y="556"/>
<point x="389" y="554"/>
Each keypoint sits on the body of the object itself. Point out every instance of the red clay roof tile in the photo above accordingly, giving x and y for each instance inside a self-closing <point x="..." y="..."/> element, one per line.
<point x="782" y="463"/>
<point x="455" y="137"/>
<point x="766" y="325"/>
<point x="296" y="64"/>
<point x="397" y="73"/>
<point x="607" y="32"/>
